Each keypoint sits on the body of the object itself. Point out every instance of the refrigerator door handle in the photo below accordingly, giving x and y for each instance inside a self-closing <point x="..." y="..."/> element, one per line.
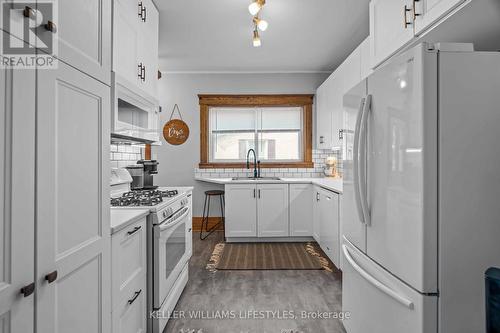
<point x="379" y="285"/>
<point x="363" y="161"/>
<point x="357" y="194"/>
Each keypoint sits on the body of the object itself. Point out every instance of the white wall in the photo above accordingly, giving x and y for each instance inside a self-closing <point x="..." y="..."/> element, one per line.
<point x="177" y="163"/>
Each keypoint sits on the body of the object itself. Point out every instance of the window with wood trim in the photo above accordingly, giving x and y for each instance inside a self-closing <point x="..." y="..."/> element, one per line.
<point x="277" y="127"/>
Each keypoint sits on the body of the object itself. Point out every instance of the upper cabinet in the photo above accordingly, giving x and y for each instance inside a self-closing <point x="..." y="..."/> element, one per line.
<point x="135" y="44"/>
<point x="323" y="118"/>
<point x="329" y="108"/>
<point x="83" y="32"/>
<point x="426" y="12"/>
<point x="398" y="24"/>
<point x="391" y="27"/>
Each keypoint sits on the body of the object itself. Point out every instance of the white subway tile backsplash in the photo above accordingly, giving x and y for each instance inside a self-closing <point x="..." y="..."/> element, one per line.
<point x="318" y="158"/>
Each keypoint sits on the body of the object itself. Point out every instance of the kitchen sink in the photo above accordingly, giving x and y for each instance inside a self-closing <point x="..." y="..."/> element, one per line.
<point x="257" y="178"/>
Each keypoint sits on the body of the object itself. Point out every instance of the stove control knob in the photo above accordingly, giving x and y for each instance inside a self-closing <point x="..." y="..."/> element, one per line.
<point x="164" y="214"/>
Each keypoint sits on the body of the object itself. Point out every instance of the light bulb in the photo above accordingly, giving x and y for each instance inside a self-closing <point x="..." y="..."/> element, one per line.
<point x="262" y="24"/>
<point x="254" y="8"/>
<point x="256" y="39"/>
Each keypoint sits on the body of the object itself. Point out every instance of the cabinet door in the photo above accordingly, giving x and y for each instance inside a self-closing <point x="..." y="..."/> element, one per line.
<point x="148" y="48"/>
<point x="301" y="210"/>
<point x="17" y="184"/>
<point x="388" y="30"/>
<point x="126" y="40"/>
<point x="323" y="119"/>
<point x="316" y="214"/>
<point x="128" y="259"/>
<point x="430" y="11"/>
<point x="365" y="59"/>
<point x="129" y="316"/>
<point x="334" y="105"/>
<point x="329" y="225"/>
<point x="272" y="210"/>
<point x="73" y="202"/>
<point x="83" y="34"/>
<point x="241" y="210"/>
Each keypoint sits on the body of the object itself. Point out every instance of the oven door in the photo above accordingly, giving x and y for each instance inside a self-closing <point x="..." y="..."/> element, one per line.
<point x="170" y="254"/>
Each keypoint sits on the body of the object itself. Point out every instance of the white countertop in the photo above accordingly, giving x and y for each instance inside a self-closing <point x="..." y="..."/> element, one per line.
<point x="331" y="184"/>
<point x="121" y="218"/>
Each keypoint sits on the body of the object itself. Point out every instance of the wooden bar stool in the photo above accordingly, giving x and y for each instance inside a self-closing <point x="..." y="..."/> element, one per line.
<point x="206" y="213"/>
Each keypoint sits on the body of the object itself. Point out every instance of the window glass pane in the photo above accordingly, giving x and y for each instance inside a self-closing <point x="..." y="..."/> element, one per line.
<point x="233" y="146"/>
<point x="281" y="118"/>
<point x="280" y="146"/>
<point x="223" y="119"/>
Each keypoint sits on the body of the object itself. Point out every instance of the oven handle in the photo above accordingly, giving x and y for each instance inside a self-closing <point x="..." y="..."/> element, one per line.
<point x="170" y="223"/>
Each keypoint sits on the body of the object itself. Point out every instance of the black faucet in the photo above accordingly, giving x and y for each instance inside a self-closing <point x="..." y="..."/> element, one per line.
<point x="256" y="164"/>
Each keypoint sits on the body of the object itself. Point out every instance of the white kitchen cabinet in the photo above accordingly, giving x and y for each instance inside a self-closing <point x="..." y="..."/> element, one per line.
<point x="430" y="11"/>
<point x="72" y="189"/>
<point x="126" y="40"/>
<point x="272" y="210"/>
<point x="391" y="27"/>
<point x="329" y="97"/>
<point x="135" y="44"/>
<point x="17" y="197"/>
<point x="241" y="210"/>
<point x="316" y="214"/>
<point x="257" y="210"/>
<point x="83" y="34"/>
<point x="148" y="47"/>
<point x="323" y="118"/>
<point x="128" y="275"/>
<point x="329" y="224"/>
<point x="365" y="59"/>
<point x="301" y="210"/>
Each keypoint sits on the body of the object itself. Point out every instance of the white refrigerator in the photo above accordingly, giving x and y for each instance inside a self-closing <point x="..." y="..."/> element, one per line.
<point x="421" y="201"/>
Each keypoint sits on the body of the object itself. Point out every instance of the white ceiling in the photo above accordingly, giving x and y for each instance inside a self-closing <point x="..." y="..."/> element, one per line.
<point x="216" y="35"/>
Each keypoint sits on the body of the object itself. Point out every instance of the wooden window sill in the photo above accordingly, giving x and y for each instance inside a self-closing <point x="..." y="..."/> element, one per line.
<point x="298" y="165"/>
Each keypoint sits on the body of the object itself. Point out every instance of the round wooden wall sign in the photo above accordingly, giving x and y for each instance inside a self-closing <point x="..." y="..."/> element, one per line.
<point x="176" y="132"/>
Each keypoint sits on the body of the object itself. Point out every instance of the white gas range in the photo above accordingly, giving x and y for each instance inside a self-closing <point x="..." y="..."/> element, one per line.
<point x="169" y="241"/>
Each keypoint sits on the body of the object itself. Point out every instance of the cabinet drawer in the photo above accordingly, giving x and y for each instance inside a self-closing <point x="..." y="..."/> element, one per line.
<point x="129" y="314"/>
<point x="128" y="258"/>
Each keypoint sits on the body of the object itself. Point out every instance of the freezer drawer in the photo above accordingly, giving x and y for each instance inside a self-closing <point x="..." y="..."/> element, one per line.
<point x="380" y="303"/>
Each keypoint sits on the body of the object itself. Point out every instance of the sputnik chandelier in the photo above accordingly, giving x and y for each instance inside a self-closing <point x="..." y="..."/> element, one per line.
<point x="258" y="23"/>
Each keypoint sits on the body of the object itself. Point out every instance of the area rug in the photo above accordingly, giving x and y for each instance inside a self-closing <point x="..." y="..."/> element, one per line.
<point x="268" y="256"/>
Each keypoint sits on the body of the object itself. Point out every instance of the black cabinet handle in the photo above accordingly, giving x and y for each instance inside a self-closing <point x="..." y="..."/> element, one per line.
<point x="28" y="12"/>
<point x="28" y="290"/>
<point x="51" y="277"/>
<point x="131" y="232"/>
<point x="51" y="26"/>
<point x="136" y="294"/>
<point x="143" y="14"/>
<point x="139" y="74"/>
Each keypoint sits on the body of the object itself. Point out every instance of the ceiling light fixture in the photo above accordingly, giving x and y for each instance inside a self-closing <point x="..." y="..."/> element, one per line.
<point x="255" y="7"/>
<point x="261" y="24"/>
<point x="256" y="38"/>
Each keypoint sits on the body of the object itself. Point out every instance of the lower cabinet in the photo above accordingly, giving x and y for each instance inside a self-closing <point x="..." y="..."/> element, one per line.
<point x="241" y="210"/>
<point x="128" y="279"/>
<point x="301" y="210"/>
<point x="272" y="210"/>
<point x="316" y="215"/>
<point x="257" y="210"/>
<point x="326" y="222"/>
